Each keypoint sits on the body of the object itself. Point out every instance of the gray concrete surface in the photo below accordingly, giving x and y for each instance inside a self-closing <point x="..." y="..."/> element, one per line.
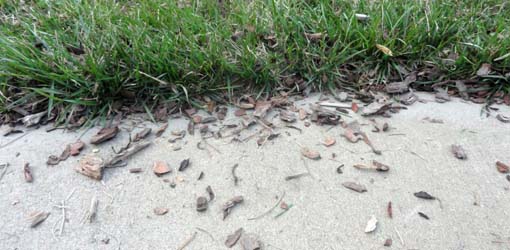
<point x="324" y="215"/>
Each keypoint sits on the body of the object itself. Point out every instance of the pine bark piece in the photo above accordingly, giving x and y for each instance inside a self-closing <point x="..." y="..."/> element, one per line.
<point x="502" y="167"/>
<point x="233" y="238"/>
<point x="37" y="218"/>
<point x="355" y="186"/>
<point x="91" y="166"/>
<point x="104" y="134"/>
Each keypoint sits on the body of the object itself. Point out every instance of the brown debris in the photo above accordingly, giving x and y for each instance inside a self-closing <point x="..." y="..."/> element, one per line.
<point x="184" y="165"/>
<point x="91" y="166"/>
<point x="135" y="170"/>
<point x="76" y="147"/>
<point x="104" y="134"/>
<point x="302" y="114"/>
<point x="423" y="215"/>
<point x="354" y="107"/>
<point x="240" y="112"/>
<point x="502" y="167"/>
<point x="389" y="209"/>
<point x="37" y="218"/>
<point x="459" y="152"/>
<point x="161" y="129"/>
<point x="142" y="134"/>
<point x="233" y="238"/>
<point x="329" y="141"/>
<point x="250" y="242"/>
<point x="424" y="195"/>
<point x="388" y="243"/>
<point x="287" y="116"/>
<point x="32" y="120"/>
<point x="310" y="154"/>
<point x="355" y="186"/>
<point x="160" y="211"/>
<point x="160" y="168"/>
<point x="230" y="204"/>
<point x="380" y="167"/>
<point x="12" y="130"/>
<point x="261" y="108"/>
<point x="503" y="118"/>
<point x="209" y="191"/>
<point x="27" y="173"/>
<point x="202" y="204"/>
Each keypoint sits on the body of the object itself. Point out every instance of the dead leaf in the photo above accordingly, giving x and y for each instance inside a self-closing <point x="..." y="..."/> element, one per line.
<point x="355" y="186"/>
<point x="76" y="147"/>
<point x="388" y="243"/>
<point x="424" y="195"/>
<point x="32" y="120"/>
<point x="250" y="242"/>
<point x="37" y="218"/>
<point x="233" y="238"/>
<point x="459" y="152"/>
<point x="502" y="167"/>
<point x="161" y="129"/>
<point x="384" y="49"/>
<point x="91" y="166"/>
<point x="27" y="173"/>
<point x="184" y="165"/>
<point x="484" y="70"/>
<point x="104" y="134"/>
<point x="371" y="225"/>
<point x="329" y="141"/>
<point x="160" y="168"/>
<point x="202" y="204"/>
<point x="503" y="118"/>
<point x="287" y="116"/>
<point x="310" y="154"/>
<point x="160" y="210"/>
<point x="142" y="134"/>
<point x="230" y="204"/>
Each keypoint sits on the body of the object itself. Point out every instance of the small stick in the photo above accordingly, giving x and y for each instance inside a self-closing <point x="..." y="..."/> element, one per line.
<point x="186" y="243"/>
<point x="91" y="214"/>
<point x="400" y="237"/>
<point x="124" y="155"/>
<point x="206" y="232"/>
<point x="236" y="179"/>
<point x="271" y="209"/>
<point x="296" y="176"/>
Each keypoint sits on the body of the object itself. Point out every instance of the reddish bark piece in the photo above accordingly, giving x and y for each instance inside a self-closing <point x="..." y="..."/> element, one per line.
<point x="160" y="168"/>
<point x="240" y="112"/>
<point x="104" y="134"/>
<point x="27" y="173"/>
<point x="160" y="210"/>
<point x="75" y="148"/>
<point x="91" y="166"/>
<point x="354" y="107"/>
<point x="233" y="238"/>
<point x="161" y="129"/>
<point x="310" y="154"/>
<point x="502" y="167"/>
<point x="355" y="187"/>
<point x="329" y="141"/>
<point x="302" y="114"/>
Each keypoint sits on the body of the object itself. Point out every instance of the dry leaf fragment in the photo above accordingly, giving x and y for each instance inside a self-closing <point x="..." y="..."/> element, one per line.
<point x="484" y="70"/>
<point x="160" y="210"/>
<point x="27" y="173"/>
<point x="91" y="166"/>
<point x="459" y="152"/>
<point x="37" y="217"/>
<point x="371" y="225"/>
<point x="250" y="242"/>
<point x="75" y="148"/>
<point x="160" y="168"/>
<point x="503" y="118"/>
<point x="104" y="134"/>
<point x="388" y="243"/>
<point x="424" y="195"/>
<point x="161" y="129"/>
<point x="142" y="134"/>
<point x="502" y="167"/>
<point x="184" y="165"/>
<point x="329" y="141"/>
<point x="310" y="154"/>
<point x="233" y="238"/>
<point x="384" y="49"/>
<point x="355" y="186"/>
<point x="230" y="204"/>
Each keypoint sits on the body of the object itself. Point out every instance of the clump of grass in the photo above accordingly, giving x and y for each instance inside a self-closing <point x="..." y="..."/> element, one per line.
<point x="94" y="53"/>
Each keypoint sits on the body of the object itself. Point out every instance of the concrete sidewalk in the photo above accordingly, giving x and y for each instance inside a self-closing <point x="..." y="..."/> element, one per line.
<point x="472" y="212"/>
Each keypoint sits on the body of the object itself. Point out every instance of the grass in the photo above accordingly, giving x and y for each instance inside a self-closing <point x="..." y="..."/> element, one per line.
<point x="162" y="51"/>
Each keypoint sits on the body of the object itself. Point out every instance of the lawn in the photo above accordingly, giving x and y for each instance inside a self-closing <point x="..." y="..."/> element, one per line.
<point x="57" y="55"/>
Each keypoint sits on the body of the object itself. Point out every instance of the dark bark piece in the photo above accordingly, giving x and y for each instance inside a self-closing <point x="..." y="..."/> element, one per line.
<point x="388" y="243"/>
<point x="503" y="118"/>
<point x="423" y="215"/>
<point x="250" y="242"/>
<point x="208" y="119"/>
<point x="233" y="238"/>
<point x="161" y="129"/>
<point x="424" y="195"/>
<point x="389" y="209"/>
<point x="53" y="160"/>
<point x="202" y="204"/>
<point x="210" y="192"/>
<point x="142" y="134"/>
<point x="133" y="149"/>
<point x="12" y="130"/>
<point x="380" y="167"/>
<point x="104" y="134"/>
<point x="502" y="167"/>
<point x="459" y="152"/>
<point x="75" y="148"/>
<point x="184" y="165"/>
<point x="135" y="170"/>
<point x="287" y="116"/>
<point x="230" y="204"/>
<point x="37" y="218"/>
<point x="27" y="173"/>
<point x="355" y="186"/>
<point x="75" y="50"/>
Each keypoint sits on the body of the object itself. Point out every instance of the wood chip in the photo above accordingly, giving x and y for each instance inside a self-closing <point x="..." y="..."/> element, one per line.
<point x="250" y="242"/>
<point x="388" y="243"/>
<point x="142" y="134"/>
<point x="91" y="166"/>
<point x="230" y="204"/>
<point x="37" y="218"/>
<point x="371" y="225"/>
<point x="161" y="129"/>
<point x="424" y="195"/>
<point x="92" y="213"/>
<point x="355" y="186"/>
<point x="310" y="154"/>
<point x="160" y="211"/>
<point x="380" y="167"/>
<point x="503" y="118"/>
<point x="202" y="204"/>
<point x="389" y="210"/>
<point x="233" y="238"/>
<point x="135" y="170"/>
<point x="160" y="168"/>
<point x="502" y="167"/>
<point x="459" y="152"/>
<point x="104" y="134"/>
<point x="423" y="215"/>
<point x="210" y="192"/>
<point x="27" y="173"/>
<point x="329" y="141"/>
<point x="184" y="165"/>
<point x="76" y="147"/>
